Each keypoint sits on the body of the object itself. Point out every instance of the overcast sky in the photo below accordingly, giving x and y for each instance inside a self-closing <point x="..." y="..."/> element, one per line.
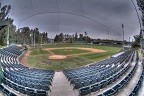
<point x="70" y="16"/>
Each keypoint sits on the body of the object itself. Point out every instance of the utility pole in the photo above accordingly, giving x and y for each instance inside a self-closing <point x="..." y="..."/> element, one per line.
<point x="123" y="37"/>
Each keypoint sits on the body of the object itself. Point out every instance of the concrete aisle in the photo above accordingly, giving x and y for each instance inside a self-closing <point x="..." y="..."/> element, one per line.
<point x="61" y="86"/>
<point x="126" y="90"/>
<point x="141" y="91"/>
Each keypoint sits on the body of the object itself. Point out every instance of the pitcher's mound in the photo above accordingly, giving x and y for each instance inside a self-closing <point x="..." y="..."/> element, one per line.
<point x="57" y="57"/>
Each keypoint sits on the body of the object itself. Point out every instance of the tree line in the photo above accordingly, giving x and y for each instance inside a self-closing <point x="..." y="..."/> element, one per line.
<point x="29" y="36"/>
<point x="21" y="35"/>
<point x="66" y="38"/>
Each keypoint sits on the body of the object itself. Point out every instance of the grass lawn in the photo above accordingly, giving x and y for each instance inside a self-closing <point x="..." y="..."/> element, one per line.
<point x="39" y="58"/>
<point x="39" y="51"/>
<point x="2" y="46"/>
<point x="95" y="57"/>
<point x="42" y="61"/>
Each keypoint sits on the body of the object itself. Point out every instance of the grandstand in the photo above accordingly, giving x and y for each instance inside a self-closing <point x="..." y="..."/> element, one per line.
<point x="20" y="78"/>
<point x="104" y="78"/>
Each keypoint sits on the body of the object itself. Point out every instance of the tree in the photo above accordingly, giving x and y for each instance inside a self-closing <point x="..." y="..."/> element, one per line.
<point x="76" y="36"/>
<point x="12" y="34"/>
<point x="4" y="11"/>
<point x="137" y="38"/>
<point x="61" y="36"/>
<point x="56" y="39"/>
<point x="44" y="37"/>
<point x="37" y="35"/>
<point x="3" y="36"/>
<point x="3" y="17"/>
<point x="89" y="40"/>
<point x="135" y="45"/>
<point x="80" y="37"/>
<point x="26" y="35"/>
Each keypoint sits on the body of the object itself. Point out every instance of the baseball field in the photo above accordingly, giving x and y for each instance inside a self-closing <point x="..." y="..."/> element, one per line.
<point x="66" y="56"/>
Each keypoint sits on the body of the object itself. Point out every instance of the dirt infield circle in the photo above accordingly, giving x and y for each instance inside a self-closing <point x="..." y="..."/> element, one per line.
<point x="54" y="56"/>
<point x="57" y="57"/>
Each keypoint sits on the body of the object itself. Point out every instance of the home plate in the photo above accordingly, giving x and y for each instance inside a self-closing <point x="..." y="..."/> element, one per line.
<point x="57" y="57"/>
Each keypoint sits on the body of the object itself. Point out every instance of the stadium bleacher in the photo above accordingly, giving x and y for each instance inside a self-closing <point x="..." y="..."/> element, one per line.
<point x="88" y="79"/>
<point x="100" y="75"/>
<point x="119" y="86"/>
<point x="33" y="82"/>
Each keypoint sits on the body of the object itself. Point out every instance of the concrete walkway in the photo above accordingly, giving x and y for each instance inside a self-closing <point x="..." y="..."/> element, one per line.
<point x="127" y="89"/>
<point x="141" y="91"/>
<point x="2" y="94"/>
<point x="61" y="86"/>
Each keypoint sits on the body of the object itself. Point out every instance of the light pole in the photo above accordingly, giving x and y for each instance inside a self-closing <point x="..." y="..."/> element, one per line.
<point x="129" y="42"/>
<point x="123" y="37"/>
<point x="31" y="41"/>
<point x="108" y="39"/>
<point x="34" y="38"/>
<point x="8" y="36"/>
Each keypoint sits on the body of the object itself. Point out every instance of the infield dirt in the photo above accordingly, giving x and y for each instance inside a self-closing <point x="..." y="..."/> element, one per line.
<point x="54" y="56"/>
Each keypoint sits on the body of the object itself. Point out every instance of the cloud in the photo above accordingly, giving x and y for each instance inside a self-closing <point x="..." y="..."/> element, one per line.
<point x="111" y="13"/>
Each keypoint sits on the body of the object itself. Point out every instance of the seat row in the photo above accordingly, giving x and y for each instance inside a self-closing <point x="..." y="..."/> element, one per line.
<point x="33" y="82"/>
<point x="120" y="85"/>
<point x="93" y="74"/>
<point x="26" y="90"/>
<point x="97" y="86"/>
<point x="14" y="50"/>
<point x="89" y="80"/>
<point x="6" y="91"/>
<point x="137" y="86"/>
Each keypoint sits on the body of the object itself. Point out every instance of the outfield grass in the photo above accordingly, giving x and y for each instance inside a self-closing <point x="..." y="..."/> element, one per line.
<point x="39" y="58"/>
<point x="62" y="45"/>
<point x="94" y="57"/>
<point x="39" y="51"/>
